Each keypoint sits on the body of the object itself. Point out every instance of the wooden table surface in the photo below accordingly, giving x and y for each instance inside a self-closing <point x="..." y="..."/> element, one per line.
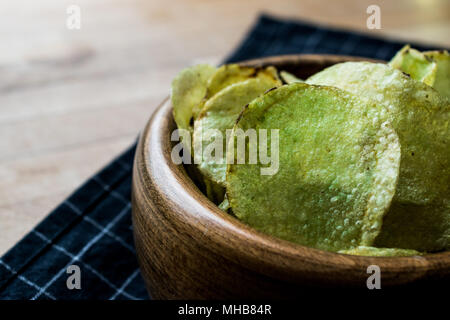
<point x="71" y="100"/>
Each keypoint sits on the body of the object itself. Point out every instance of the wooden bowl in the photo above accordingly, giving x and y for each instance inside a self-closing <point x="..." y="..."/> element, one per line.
<point x="189" y="249"/>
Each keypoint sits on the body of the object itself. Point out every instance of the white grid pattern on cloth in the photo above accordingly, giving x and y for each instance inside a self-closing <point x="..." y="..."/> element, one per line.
<point x="124" y="285"/>
<point x="25" y="280"/>
<point x="87" y="265"/>
<point x="84" y="250"/>
<point x="107" y="188"/>
<point x="98" y="226"/>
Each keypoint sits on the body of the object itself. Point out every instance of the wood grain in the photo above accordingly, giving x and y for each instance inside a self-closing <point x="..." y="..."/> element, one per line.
<point x="189" y="249"/>
<point x="62" y="92"/>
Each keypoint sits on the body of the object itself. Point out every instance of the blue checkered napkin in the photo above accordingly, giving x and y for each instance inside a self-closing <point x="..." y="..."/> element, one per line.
<point x="272" y="36"/>
<point x="92" y="228"/>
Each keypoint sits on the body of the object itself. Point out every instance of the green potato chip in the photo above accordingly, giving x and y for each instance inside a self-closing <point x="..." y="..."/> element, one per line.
<point x="420" y="116"/>
<point x="188" y="90"/>
<point x="289" y="77"/>
<point x="380" y="252"/>
<point x="430" y="67"/>
<point x="212" y="190"/>
<point x="225" y="205"/>
<point x="220" y="113"/>
<point x="338" y="168"/>
<point x="229" y="74"/>
<point x="442" y="78"/>
<point x="415" y="64"/>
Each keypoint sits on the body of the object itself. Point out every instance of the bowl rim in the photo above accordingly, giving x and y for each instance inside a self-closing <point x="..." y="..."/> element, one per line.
<point x="180" y="191"/>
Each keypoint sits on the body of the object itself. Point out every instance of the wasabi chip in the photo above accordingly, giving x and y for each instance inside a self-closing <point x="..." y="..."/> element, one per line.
<point x="289" y="77"/>
<point x="430" y="67"/>
<point x="220" y="113"/>
<point x="338" y="168"/>
<point x="421" y="117"/>
<point x="380" y="252"/>
<point x="233" y="73"/>
<point x="415" y="64"/>
<point x="212" y="190"/>
<point x="442" y="78"/>
<point x="188" y="90"/>
<point x="225" y="204"/>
